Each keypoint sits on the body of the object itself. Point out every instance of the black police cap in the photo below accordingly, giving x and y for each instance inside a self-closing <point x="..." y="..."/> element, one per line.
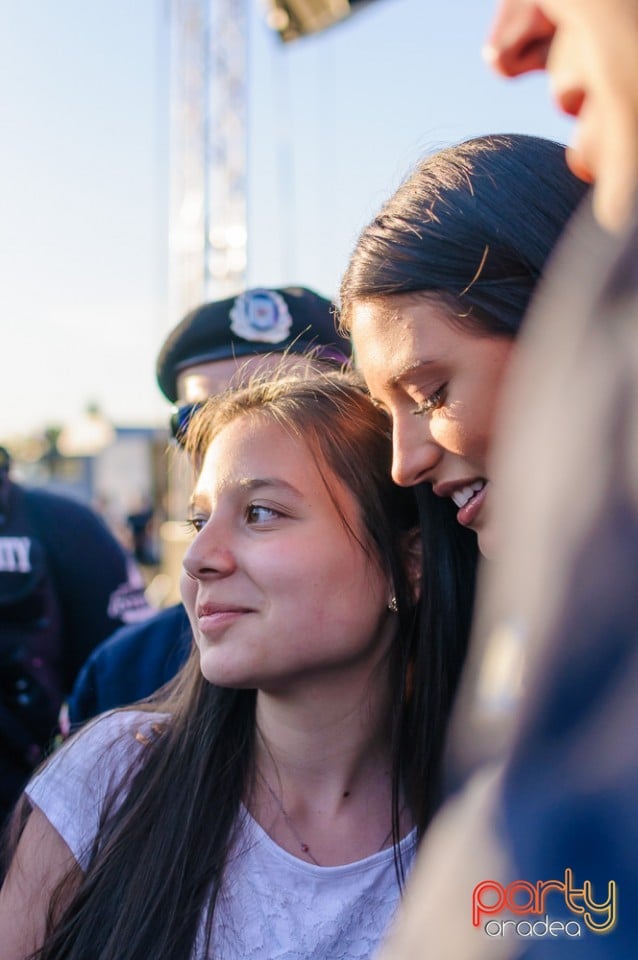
<point x="258" y="321"/>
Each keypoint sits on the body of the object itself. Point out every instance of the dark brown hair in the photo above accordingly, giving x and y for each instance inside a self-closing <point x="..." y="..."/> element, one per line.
<point x="474" y="224"/>
<point x="472" y="227"/>
<point x="160" y="854"/>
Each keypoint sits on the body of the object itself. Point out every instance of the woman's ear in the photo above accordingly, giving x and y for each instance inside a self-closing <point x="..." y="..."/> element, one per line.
<point x="412" y="558"/>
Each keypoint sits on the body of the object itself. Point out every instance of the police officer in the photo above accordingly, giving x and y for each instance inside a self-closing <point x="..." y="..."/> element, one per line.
<point x="65" y="585"/>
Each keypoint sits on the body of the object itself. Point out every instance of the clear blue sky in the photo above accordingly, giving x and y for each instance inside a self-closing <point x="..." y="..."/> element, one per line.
<point x="335" y="122"/>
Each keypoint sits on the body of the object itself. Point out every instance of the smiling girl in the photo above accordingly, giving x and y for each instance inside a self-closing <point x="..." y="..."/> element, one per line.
<point x="268" y="804"/>
<point x="435" y="295"/>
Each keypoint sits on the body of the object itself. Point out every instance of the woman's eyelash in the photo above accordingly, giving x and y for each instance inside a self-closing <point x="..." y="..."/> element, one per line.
<point x="194" y="524"/>
<point x="430" y="403"/>
<point x="255" y="512"/>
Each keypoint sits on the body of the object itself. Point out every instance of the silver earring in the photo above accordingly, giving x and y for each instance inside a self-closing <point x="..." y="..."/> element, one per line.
<point x="393" y="605"/>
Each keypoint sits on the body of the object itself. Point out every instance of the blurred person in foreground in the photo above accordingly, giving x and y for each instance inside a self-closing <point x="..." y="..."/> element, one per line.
<point x="217" y="345"/>
<point x="537" y="856"/>
<point x="65" y="585"/>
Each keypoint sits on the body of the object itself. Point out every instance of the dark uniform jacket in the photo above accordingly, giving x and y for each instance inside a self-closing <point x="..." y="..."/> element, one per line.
<point x="132" y="664"/>
<point x="65" y="585"/>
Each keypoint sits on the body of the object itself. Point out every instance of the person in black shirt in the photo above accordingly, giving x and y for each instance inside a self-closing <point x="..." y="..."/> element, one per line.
<point x="65" y="585"/>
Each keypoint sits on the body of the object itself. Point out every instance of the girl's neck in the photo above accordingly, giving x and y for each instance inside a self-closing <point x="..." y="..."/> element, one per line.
<point x="322" y="785"/>
<point x="320" y="748"/>
<point x="323" y="791"/>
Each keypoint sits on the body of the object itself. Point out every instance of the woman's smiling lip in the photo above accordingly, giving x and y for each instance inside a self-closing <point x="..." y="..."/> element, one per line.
<point x="468" y="495"/>
<point x="569" y="100"/>
<point x="467" y="514"/>
<point x="210" y="609"/>
<point x="572" y="100"/>
<point x="212" y="617"/>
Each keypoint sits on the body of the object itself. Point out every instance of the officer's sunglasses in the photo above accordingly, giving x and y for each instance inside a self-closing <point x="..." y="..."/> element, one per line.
<point x="180" y="419"/>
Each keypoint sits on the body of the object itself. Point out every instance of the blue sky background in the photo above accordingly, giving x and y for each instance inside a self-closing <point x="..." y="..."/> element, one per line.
<point x="335" y="122"/>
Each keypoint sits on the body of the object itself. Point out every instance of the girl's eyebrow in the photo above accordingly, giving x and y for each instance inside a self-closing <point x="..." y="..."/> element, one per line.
<point x="255" y="483"/>
<point x="251" y="484"/>
<point x="198" y="500"/>
<point x="406" y="370"/>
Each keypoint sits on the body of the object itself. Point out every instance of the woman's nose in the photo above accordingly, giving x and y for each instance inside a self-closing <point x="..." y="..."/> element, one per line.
<point x="520" y="38"/>
<point x="209" y="554"/>
<point x="414" y="452"/>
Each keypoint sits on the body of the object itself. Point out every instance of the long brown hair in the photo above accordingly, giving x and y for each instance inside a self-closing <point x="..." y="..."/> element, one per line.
<point x="160" y="853"/>
<point x="472" y="226"/>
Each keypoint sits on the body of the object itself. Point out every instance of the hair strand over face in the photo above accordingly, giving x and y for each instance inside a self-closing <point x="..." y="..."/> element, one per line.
<point x="473" y="224"/>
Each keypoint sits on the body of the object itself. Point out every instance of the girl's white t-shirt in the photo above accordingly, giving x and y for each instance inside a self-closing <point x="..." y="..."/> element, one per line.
<point x="272" y="905"/>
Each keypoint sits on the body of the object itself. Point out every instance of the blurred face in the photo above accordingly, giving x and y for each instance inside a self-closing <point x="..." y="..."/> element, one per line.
<point x="195" y="384"/>
<point x="276" y="588"/>
<point x="589" y="48"/>
<point x="441" y="386"/>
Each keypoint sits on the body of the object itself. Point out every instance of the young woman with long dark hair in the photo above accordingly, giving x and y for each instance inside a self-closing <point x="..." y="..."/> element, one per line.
<point x="268" y="804"/>
<point x="434" y="296"/>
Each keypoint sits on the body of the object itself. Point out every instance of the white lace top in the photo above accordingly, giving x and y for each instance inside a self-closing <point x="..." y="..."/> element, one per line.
<point x="272" y="906"/>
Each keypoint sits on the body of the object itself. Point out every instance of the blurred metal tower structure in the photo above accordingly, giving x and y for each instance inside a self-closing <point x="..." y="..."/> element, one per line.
<point x="208" y="147"/>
